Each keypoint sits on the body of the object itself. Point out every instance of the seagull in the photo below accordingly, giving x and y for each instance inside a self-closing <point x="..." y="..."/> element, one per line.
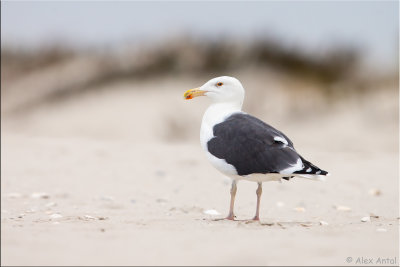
<point x="244" y="147"/>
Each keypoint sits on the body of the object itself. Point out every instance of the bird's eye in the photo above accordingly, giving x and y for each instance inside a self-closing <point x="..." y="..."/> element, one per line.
<point x="219" y="84"/>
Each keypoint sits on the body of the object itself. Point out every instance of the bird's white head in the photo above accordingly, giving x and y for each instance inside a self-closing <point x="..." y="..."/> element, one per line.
<point x="222" y="89"/>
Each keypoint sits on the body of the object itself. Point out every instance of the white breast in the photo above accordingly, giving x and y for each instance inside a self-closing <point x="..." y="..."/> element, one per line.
<point x="215" y="114"/>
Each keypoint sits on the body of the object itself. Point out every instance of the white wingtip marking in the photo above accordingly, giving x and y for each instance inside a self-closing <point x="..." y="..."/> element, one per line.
<point x="280" y="139"/>
<point x="296" y="167"/>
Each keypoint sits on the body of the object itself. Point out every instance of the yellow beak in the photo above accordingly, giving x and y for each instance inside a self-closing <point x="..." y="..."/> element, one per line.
<point x="189" y="94"/>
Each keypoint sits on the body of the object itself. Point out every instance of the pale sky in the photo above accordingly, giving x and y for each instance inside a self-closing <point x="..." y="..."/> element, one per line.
<point x="312" y="25"/>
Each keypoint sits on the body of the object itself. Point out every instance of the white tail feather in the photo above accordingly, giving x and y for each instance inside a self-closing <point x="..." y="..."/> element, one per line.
<point x="312" y="177"/>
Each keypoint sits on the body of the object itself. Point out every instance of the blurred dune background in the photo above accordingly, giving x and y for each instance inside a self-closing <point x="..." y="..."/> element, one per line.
<point x="95" y="130"/>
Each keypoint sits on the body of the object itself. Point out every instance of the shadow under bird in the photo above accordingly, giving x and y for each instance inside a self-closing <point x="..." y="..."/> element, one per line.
<point x="242" y="146"/>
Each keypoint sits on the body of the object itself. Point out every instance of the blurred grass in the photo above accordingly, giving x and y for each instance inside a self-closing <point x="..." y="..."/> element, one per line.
<point x="59" y="71"/>
<point x="176" y="56"/>
<point x="17" y="62"/>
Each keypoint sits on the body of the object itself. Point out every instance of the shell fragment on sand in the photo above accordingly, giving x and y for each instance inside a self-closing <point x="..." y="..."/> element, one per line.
<point x="55" y="216"/>
<point x="92" y="218"/>
<point x="375" y="192"/>
<point x="300" y="209"/>
<point x="342" y="208"/>
<point x="211" y="212"/>
<point x="40" y="195"/>
<point x="366" y="219"/>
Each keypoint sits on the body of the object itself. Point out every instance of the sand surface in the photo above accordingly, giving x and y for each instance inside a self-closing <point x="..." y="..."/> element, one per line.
<point x="117" y="177"/>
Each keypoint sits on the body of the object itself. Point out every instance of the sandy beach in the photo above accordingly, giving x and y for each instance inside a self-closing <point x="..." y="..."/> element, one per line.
<point x="117" y="177"/>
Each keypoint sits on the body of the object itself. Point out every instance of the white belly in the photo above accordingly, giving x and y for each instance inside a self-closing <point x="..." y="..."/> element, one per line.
<point x="259" y="177"/>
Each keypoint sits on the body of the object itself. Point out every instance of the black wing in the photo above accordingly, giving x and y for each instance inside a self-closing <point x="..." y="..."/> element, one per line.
<point x="252" y="146"/>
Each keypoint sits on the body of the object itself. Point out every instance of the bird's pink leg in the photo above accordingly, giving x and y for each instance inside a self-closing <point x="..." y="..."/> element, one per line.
<point x="231" y="215"/>
<point x="259" y="192"/>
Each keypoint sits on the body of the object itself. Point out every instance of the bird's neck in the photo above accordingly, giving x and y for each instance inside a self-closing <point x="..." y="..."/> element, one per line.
<point x="218" y="111"/>
<point x="226" y="106"/>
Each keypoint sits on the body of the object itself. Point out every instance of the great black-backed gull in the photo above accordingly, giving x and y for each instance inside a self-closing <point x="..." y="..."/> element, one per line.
<point x="242" y="146"/>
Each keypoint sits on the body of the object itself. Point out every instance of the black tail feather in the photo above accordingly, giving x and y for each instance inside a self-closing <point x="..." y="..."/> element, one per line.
<point x="310" y="168"/>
